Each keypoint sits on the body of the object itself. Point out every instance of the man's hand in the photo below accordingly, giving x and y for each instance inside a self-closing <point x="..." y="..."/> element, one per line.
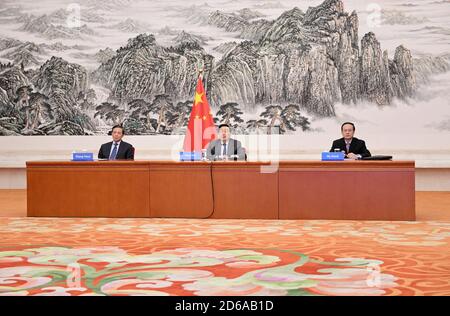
<point x="352" y="156"/>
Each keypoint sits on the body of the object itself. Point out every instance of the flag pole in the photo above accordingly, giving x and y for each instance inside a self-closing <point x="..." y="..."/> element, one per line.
<point x="200" y="129"/>
<point x="200" y="67"/>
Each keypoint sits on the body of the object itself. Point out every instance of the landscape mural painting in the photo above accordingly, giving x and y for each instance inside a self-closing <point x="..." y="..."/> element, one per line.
<point x="77" y="68"/>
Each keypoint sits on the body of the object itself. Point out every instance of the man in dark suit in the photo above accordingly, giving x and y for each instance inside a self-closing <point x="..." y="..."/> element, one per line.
<point x="353" y="147"/>
<point x="225" y="147"/>
<point x="117" y="149"/>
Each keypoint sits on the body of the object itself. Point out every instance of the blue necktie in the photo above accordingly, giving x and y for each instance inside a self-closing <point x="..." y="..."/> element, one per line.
<point x="224" y="150"/>
<point x="113" y="153"/>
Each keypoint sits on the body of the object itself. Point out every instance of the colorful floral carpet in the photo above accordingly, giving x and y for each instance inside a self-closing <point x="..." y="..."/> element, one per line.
<point x="46" y="256"/>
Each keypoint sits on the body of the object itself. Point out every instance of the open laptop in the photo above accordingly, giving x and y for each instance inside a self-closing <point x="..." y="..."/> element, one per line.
<point x="378" y="157"/>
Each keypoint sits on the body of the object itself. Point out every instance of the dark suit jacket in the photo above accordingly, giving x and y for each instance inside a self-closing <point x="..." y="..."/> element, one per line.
<point x="215" y="147"/>
<point x="357" y="146"/>
<point x="126" y="151"/>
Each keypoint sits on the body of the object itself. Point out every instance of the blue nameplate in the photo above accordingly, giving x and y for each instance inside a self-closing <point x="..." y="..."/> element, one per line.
<point x="190" y="156"/>
<point x="333" y="156"/>
<point x="82" y="156"/>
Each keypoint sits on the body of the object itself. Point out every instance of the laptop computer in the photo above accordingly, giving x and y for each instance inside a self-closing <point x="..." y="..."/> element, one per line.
<point x="378" y="157"/>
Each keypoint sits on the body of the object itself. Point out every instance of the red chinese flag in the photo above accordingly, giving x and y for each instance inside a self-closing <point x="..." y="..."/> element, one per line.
<point x="201" y="129"/>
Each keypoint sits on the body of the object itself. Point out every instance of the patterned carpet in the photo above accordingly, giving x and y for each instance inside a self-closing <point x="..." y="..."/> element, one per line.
<point x="45" y="256"/>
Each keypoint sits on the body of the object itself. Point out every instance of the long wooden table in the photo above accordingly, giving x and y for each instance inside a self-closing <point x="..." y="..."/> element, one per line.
<point x="347" y="190"/>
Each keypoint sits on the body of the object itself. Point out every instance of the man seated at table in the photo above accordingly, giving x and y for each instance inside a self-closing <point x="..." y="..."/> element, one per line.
<point x="225" y="147"/>
<point x="353" y="147"/>
<point x="117" y="149"/>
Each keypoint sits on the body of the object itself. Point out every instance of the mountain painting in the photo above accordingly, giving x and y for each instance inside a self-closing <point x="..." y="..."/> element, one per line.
<point x="71" y="68"/>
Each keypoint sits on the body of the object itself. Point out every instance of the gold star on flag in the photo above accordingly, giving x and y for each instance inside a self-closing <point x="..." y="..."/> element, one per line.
<point x="198" y="98"/>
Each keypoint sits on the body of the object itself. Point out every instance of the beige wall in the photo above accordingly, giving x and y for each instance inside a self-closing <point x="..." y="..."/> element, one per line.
<point x="432" y="173"/>
<point x="307" y="146"/>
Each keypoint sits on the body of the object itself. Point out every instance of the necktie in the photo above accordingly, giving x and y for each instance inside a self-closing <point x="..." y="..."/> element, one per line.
<point x="224" y="150"/>
<point x="347" y="145"/>
<point x="113" y="153"/>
